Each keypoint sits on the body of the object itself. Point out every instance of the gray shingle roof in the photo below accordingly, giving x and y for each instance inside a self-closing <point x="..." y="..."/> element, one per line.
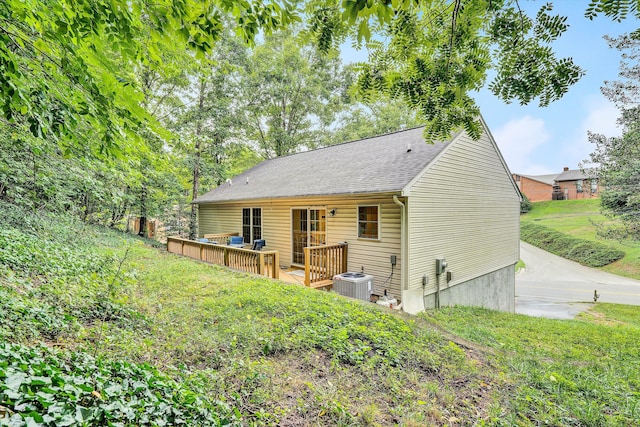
<point x="546" y="179"/>
<point x="574" y="175"/>
<point x="372" y="165"/>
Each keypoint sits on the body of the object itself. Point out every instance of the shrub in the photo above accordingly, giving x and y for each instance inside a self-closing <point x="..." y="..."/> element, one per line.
<point x="525" y="204"/>
<point x="42" y="387"/>
<point x="592" y="254"/>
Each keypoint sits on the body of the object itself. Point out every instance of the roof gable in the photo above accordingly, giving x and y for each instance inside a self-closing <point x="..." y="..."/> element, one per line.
<point x="379" y="164"/>
<point x="407" y="190"/>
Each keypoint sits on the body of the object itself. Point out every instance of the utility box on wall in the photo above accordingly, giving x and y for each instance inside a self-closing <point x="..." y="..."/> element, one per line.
<point x="441" y="265"/>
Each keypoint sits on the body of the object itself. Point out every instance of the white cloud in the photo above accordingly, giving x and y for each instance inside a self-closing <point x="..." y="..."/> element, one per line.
<point x="600" y="118"/>
<point x="518" y="140"/>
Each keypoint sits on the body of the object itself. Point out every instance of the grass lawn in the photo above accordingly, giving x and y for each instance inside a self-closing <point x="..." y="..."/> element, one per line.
<point x="582" y="372"/>
<point x="96" y="327"/>
<point x="288" y="355"/>
<point x="582" y="219"/>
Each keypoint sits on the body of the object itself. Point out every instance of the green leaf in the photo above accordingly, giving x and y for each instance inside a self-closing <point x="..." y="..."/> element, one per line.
<point x="363" y="31"/>
<point x="40" y="381"/>
<point x="14" y="380"/>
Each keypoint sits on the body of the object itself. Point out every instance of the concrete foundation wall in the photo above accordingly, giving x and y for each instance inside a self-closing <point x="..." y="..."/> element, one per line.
<point x="495" y="290"/>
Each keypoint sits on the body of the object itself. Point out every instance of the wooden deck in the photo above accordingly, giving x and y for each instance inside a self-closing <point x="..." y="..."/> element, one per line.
<point x="321" y="262"/>
<point x="264" y="263"/>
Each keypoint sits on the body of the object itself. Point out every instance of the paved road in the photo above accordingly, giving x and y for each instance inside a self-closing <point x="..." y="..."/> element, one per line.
<point x="551" y="286"/>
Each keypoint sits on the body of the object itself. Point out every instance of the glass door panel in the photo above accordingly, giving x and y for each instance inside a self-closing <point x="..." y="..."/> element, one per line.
<point x="299" y="233"/>
<point x="317" y="227"/>
<point x="309" y="228"/>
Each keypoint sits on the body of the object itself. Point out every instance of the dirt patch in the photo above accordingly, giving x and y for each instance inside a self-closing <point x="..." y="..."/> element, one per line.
<point x="600" y="318"/>
<point x="313" y="389"/>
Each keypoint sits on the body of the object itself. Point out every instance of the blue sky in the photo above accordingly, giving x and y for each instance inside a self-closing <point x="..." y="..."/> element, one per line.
<point x="536" y="141"/>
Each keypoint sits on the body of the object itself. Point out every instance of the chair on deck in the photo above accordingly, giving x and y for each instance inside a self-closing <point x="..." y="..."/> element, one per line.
<point x="258" y="245"/>
<point x="236" y="241"/>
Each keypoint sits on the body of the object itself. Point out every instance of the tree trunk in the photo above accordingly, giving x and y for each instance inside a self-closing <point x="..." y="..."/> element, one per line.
<point x="86" y="206"/>
<point x="193" y="217"/>
<point x="143" y="212"/>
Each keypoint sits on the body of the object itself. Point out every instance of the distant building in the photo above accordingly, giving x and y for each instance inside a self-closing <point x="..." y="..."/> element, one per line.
<point x="536" y="188"/>
<point x="571" y="184"/>
<point x="576" y="184"/>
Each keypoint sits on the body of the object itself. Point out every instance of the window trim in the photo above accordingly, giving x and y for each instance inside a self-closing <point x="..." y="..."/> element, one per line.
<point x="379" y="212"/>
<point x="251" y="224"/>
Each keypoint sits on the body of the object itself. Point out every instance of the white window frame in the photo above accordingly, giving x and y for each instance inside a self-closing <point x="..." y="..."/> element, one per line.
<point x="251" y="226"/>
<point x="378" y="221"/>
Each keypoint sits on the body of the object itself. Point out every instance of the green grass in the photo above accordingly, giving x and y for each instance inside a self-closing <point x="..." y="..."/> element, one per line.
<point x="583" y="219"/>
<point x="576" y="218"/>
<point x="566" y="373"/>
<point x="586" y="252"/>
<point x="286" y="354"/>
<point x="232" y="348"/>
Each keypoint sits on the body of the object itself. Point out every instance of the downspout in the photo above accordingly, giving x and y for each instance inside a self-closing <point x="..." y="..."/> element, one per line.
<point x="403" y="243"/>
<point x="436" y="303"/>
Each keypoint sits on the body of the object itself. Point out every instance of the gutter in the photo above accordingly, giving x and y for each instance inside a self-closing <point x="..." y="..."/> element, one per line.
<point x="403" y="243"/>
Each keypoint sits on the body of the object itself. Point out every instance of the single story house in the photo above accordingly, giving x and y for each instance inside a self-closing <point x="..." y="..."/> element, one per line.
<point x="574" y="184"/>
<point x="571" y="184"/>
<point x="537" y="188"/>
<point x="399" y="203"/>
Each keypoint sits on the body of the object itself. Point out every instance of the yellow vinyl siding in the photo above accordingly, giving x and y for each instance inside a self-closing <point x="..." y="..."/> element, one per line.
<point x="373" y="255"/>
<point x="465" y="209"/>
<point x="222" y="219"/>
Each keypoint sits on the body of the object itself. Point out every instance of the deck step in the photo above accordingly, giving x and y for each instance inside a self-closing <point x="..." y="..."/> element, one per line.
<point x="321" y="284"/>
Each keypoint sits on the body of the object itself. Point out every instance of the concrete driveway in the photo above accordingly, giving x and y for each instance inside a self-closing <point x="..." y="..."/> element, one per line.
<point x="553" y="287"/>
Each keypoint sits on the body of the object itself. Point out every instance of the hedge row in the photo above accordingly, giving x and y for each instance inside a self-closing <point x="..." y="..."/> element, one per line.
<point x="585" y="252"/>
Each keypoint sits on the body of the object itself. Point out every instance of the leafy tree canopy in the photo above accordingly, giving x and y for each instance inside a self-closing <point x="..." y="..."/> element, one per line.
<point x="618" y="158"/>
<point x="68" y="65"/>
<point x="290" y="94"/>
<point x="432" y="55"/>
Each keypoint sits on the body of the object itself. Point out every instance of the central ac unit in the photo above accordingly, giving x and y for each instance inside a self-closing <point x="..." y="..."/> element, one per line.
<point x="354" y="285"/>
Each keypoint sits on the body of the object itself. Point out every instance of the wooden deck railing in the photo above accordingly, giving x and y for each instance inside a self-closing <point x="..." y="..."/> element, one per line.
<point x="264" y="263"/>
<point x="321" y="263"/>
